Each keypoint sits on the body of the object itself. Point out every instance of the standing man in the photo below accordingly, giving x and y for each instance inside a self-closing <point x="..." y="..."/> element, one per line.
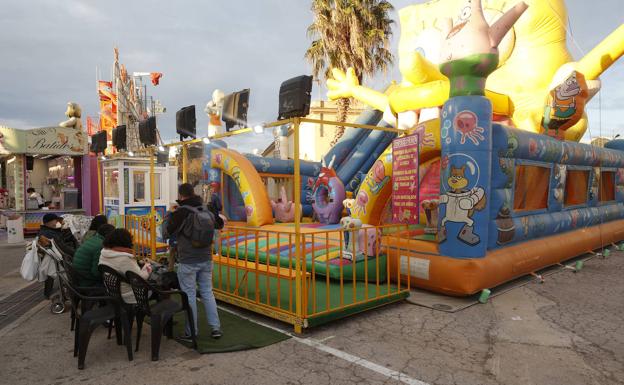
<point x="195" y="257"/>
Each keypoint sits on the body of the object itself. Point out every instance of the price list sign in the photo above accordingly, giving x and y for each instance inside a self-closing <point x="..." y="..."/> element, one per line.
<point x="405" y="179"/>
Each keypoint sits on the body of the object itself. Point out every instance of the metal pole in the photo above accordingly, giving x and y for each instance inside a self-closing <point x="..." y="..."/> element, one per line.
<point x="152" y="204"/>
<point x="184" y="163"/>
<point x="99" y="182"/>
<point x="297" y="197"/>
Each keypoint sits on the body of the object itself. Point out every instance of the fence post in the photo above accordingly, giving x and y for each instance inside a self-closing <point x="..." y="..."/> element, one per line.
<point x="184" y="163"/>
<point x="297" y="199"/>
<point x="152" y="220"/>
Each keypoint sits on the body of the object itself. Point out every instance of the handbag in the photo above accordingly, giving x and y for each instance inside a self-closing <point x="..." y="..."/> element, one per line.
<point x="30" y="264"/>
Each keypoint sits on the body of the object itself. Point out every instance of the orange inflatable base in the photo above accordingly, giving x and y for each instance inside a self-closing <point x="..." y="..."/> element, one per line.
<point x="462" y="277"/>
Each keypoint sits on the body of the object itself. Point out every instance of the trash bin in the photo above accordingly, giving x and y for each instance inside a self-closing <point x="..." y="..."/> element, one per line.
<point x="15" y="229"/>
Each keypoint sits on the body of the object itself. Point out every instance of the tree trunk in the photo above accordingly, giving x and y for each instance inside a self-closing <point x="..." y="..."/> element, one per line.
<point x="343" y="113"/>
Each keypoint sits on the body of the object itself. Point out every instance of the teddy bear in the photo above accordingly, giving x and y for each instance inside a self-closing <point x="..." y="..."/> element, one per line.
<point x="73" y="113"/>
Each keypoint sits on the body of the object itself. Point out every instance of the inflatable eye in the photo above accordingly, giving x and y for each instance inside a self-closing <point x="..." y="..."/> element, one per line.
<point x="465" y="13"/>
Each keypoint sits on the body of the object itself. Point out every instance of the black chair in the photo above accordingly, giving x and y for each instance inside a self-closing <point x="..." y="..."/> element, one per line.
<point x="74" y="277"/>
<point x="112" y="283"/>
<point x="161" y="313"/>
<point x="89" y="317"/>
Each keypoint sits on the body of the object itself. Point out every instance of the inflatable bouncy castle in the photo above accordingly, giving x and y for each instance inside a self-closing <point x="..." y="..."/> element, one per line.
<point x="498" y="104"/>
<point x="501" y="185"/>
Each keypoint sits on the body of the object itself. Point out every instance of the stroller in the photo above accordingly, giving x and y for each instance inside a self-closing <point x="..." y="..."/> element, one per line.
<point x="49" y="269"/>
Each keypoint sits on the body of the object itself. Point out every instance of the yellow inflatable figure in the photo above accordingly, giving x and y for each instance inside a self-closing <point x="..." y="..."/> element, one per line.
<point x="533" y="60"/>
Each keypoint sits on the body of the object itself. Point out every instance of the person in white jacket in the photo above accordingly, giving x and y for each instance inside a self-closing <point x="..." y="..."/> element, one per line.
<point x="117" y="253"/>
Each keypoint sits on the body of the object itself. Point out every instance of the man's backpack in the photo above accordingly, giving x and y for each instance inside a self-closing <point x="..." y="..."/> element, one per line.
<point x="198" y="226"/>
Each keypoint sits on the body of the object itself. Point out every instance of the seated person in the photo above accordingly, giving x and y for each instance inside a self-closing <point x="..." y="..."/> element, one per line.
<point x="52" y="228"/>
<point x="68" y="236"/>
<point x="96" y="222"/>
<point x="32" y="194"/>
<point x="117" y="253"/>
<point x="87" y="257"/>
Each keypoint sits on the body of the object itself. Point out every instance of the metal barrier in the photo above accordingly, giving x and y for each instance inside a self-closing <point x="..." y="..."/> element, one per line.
<point x="260" y="270"/>
<point x="142" y="228"/>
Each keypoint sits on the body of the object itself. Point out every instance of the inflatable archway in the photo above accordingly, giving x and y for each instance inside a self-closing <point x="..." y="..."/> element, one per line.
<point x="249" y="183"/>
<point x="376" y="188"/>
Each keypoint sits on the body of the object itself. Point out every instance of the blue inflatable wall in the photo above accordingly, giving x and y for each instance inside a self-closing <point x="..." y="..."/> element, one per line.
<point x="466" y="155"/>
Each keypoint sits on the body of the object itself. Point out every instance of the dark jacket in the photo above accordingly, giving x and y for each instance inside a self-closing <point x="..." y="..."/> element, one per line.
<point x="87" y="258"/>
<point x="60" y="239"/>
<point x="215" y="204"/>
<point x="187" y="254"/>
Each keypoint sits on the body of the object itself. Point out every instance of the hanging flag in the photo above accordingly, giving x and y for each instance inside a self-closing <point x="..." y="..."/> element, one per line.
<point x="155" y="76"/>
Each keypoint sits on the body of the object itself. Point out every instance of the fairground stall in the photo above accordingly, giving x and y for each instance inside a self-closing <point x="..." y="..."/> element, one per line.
<point x="51" y="160"/>
<point x="134" y="187"/>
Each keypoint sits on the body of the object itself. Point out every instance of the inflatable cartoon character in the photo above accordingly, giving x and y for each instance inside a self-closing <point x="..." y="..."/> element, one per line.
<point x="73" y="112"/>
<point x="213" y="109"/>
<point x="460" y="205"/>
<point x="369" y="240"/>
<point x="283" y="208"/>
<point x="351" y="225"/>
<point x="566" y="103"/>
<point x="328" y="194"/>
<point x="379" y="178"/>
<point x="470" y="49"/>
<point x="532" y="57"/>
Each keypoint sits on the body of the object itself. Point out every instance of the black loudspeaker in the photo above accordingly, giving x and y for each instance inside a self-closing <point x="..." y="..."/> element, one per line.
<point x="195" y="152"/>
<point x="147" y="131"/>
<point x="119" y="137"/>
<point x="30" y="163"/>
<point x="235" y="108"/>
<point x="162" y="157"/>
<point x="186" y="122"/>
<point x="98" y="142"/>
<point x="294" y="97"/>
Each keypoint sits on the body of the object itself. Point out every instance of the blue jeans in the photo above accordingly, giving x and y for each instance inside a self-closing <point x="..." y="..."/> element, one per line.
<point x="190" y="276"/>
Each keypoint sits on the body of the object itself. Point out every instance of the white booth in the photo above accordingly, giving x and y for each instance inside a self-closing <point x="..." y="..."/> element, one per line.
<point x="127" y="189"/>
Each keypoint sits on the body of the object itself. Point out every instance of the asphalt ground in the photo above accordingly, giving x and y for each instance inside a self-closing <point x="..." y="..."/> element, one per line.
<point x="568" y="330"/>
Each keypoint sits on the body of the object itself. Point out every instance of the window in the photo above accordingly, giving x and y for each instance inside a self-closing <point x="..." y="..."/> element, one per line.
<point x="531" y="188"/>
<point x="577" y="182"/>
<point x="111" y="187"/>
<point x="607" y="186"/>
<point x="138" y="178"/>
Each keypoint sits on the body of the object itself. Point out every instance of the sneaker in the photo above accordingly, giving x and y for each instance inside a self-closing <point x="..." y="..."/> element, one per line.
<point x="216" y="334"/>
<point x="185" y="337"/>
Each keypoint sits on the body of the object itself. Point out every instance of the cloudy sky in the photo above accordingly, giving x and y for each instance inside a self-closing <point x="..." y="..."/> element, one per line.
<point x="50" y="51"/>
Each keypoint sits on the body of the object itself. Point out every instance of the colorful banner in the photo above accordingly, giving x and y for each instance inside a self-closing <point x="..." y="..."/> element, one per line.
<point x="405" y="206"/>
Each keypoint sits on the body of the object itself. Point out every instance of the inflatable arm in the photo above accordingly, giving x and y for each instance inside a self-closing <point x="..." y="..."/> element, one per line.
<point x="603" y="55"/>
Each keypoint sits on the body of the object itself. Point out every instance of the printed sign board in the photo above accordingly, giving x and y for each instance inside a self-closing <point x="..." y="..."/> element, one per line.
<point x="405" y="179"/>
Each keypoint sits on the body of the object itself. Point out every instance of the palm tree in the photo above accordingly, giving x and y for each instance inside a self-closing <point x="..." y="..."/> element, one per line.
<point x="349" y="33"/>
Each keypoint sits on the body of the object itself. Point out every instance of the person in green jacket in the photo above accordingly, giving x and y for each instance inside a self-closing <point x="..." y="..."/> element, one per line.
<point x="96" y="222"/>
<point x="87" y="257"/>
